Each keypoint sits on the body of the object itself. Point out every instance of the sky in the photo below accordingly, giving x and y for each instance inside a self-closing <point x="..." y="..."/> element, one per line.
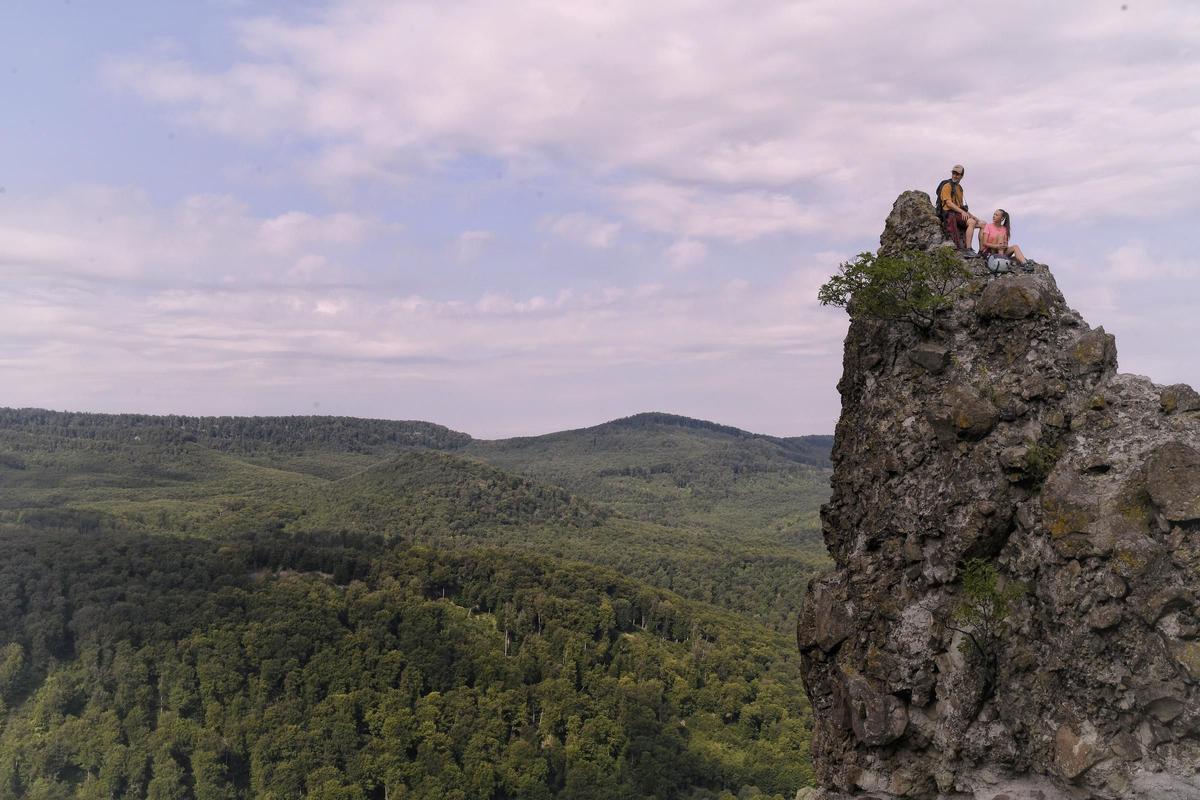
<point x="518" y="217"/>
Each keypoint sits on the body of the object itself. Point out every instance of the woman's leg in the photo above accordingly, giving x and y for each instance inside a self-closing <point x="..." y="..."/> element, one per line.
<point x="1016" y="253"/>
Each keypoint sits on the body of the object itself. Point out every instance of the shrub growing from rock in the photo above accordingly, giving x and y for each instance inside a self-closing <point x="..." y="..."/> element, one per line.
<point x="982" y="616"/>
<point x="914" y="286"/>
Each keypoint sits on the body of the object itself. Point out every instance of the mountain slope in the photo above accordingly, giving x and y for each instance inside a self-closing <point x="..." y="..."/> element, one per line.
<point x="424" y="493"/>
<point x="720" y="515"/>
<point x="281" y="666"/>
<point x="225" y="612"/>
<point x="680" y="471"/>
<point x="330" y="447"/>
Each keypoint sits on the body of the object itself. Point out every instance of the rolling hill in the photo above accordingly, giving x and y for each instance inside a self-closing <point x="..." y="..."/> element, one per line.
<point x="679" y="471"/>
<point x="200" y="602"/>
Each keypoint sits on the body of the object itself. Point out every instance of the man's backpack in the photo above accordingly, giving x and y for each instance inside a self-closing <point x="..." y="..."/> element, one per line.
<point x="941" y="212"/>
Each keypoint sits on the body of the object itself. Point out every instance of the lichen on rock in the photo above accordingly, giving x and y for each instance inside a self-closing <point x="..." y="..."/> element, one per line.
<point x="1004" y="433"/>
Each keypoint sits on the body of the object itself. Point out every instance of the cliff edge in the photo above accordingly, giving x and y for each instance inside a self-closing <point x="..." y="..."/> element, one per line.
<point x="1005" y="437"/>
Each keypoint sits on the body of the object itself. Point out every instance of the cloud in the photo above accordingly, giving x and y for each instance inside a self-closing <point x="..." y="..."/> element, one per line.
<point x="330" y="307"/>
<point x="219" y="323"/>
<point x="230" y="337"/>
<point x="1143" y="293"/>
<point x="807" y="104"/>
<point x="1134" y="262"/>
<point x="470" y="244"/>
<point x="496" y="332"/>
<point x="583" y="229"/>
<point x="685" y="253"/>
<point x="90" y="231"/>
<point x="739" y="217"/>
<point x="99" y="232"/>
<point x="736" y="135"/>
<point x="295" y="230"/>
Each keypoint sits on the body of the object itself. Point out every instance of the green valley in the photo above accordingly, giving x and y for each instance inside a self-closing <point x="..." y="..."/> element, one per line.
<point x="333" y="607"/>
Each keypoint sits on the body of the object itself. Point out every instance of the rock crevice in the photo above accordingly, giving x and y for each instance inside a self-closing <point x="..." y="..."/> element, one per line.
<point x="1006" y="434"/>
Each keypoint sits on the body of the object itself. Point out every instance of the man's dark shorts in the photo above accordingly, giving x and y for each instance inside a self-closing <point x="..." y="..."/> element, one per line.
<point x="956" y="224"/>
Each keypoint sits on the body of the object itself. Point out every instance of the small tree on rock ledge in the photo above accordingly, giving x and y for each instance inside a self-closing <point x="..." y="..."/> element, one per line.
<point x="982" y="616"/>
<point x="914" y="286"/>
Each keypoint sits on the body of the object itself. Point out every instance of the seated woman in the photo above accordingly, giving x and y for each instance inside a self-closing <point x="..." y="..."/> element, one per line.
<point x="993" y="239"/>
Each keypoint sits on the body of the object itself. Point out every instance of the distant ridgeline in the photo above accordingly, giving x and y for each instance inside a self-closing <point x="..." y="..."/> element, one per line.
<point x="352" y="434"/>
<point x="713" y="512"/>
<point x="220" y="607"/>
<point x="812" y="450"/>
<point x="245" y="435"/>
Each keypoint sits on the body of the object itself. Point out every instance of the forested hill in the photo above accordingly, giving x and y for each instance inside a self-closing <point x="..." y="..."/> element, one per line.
<point x="296" y="434"/>
<point x="676" y="470"/>
<point x="242" y="435"/>
<point x="811" y="450"/>
<point x="354" y="668"/>
<point x="714" y="513"/>
<point x="720" y="505"/>
<point x="429" y="492"/>
<point x="360" y="609"/>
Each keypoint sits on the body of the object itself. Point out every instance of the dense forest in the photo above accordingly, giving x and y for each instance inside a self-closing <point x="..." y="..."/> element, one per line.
<point x="243" y="435"/>
<point x="205" y="608"/>
<point x="287" y="666"/>
<point x="674" y="470"/>
<point x="713" y="513"/>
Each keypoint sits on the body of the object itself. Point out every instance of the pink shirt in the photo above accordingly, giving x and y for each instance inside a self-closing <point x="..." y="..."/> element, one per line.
<point x="993" y="235"/>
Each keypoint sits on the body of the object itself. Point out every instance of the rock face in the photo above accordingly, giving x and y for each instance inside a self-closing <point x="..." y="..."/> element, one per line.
<point x="1005" y="434"/>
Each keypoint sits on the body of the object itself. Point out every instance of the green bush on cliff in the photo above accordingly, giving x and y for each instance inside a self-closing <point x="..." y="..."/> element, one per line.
<point x="914" y="286"/>
<point x="983" y="614"/>
<point x="1040" y="460"/>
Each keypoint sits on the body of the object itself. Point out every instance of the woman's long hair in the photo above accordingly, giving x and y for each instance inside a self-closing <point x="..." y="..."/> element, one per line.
<point x="1004" y="220"/>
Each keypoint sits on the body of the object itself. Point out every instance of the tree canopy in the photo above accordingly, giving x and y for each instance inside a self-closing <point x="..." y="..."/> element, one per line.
<point x="914" y="286"/>
<point x="278" y="666"/>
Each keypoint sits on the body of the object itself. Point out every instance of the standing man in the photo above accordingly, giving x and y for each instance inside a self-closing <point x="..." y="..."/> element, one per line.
<point x="953" y="211"/>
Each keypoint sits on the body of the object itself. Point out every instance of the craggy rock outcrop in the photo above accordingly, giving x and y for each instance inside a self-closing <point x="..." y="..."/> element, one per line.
<point x="1005" y="433"/>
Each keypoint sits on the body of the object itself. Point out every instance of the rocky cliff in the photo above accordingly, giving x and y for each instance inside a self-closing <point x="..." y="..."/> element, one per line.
<point x="1005" y="437"/>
